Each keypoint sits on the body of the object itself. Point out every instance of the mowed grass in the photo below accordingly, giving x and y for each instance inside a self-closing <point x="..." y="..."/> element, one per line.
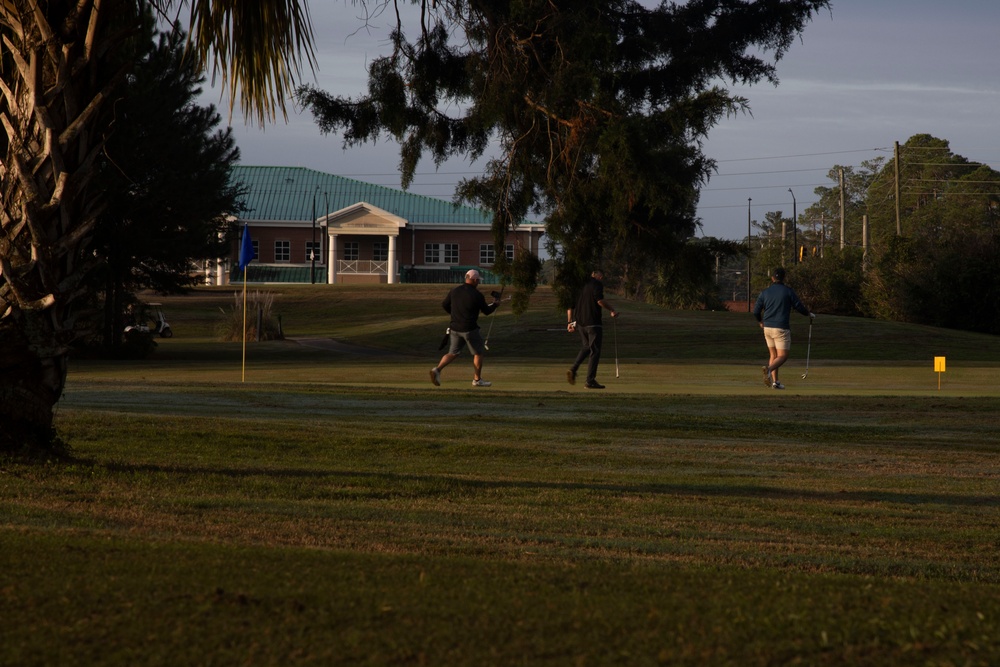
<point x="335" y="508"/>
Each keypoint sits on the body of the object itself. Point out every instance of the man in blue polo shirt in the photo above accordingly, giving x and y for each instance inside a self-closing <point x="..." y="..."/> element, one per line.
<point x="772" y="311"/>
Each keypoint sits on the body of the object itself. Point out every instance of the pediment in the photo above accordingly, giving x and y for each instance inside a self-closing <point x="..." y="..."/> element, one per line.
<point x="363" y="218"/>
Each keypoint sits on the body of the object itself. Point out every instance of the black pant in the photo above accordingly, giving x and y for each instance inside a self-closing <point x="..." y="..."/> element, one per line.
<point x="590" y="339"/>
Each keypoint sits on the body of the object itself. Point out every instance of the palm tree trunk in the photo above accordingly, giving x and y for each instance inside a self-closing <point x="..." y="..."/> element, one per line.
<point x="65" y="62"/>
<point x="30" y="385"/>
<point x="60" y="62"/>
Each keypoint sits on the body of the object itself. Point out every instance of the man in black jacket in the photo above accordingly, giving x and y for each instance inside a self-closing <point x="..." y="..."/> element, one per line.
<point x="464" y="303"/>
<point x="588" y="322"/>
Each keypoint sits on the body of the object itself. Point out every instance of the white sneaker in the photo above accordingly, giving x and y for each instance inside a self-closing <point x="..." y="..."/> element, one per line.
<point x="778" y="385"/>
<point x="481" y="383"/>
<point x="436" y="377"/>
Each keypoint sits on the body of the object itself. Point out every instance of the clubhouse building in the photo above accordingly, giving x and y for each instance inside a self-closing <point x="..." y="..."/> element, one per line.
<point x="311" y="227"/>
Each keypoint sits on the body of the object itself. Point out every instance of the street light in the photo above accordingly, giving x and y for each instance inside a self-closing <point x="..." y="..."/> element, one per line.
<point x="326" y="198"/>
<point x="795" y="238"/>
<point x="312" y="248"/>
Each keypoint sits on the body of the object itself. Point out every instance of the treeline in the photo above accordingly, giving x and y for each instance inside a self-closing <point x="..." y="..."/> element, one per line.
<point x="932" y="259"/>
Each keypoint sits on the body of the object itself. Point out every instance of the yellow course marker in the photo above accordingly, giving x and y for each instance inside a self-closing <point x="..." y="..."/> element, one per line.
<point x="939" y="367"/>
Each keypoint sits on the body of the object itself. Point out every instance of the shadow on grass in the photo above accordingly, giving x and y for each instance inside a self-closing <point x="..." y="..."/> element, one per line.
<point x="450" y="484"/>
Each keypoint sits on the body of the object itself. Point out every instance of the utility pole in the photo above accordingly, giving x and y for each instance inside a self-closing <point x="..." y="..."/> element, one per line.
<point x="864" y="242"/>
<point x="843" y="211"/>
<point x="795" y="233"/>
<point x="749" y="199"/>
<point x="784" y="238"/>
<point x="895" y="152"/>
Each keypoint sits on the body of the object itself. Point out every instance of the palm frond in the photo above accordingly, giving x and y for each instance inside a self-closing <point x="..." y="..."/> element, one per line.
<point x="257" y="48"/>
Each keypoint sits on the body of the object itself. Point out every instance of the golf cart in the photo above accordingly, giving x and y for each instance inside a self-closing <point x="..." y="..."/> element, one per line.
<point x="141" y="324"/>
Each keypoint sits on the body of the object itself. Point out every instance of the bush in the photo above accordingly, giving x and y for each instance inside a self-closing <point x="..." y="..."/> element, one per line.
<point x="259" y="306"/>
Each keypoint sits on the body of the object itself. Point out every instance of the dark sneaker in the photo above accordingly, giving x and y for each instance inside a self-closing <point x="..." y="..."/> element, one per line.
<point x="594" y="385"/>
<point x="436" y="377"/>
<point x="767" y="376"/>
<point x="571" y="376"/>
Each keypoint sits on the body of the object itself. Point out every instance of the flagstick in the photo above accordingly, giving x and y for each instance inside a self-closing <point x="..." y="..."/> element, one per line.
<point x="246" y="256"/>
<point x="246" y="269"/>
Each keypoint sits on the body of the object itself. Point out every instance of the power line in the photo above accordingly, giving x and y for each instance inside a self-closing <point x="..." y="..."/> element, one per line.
<point x="949" y="180"/>
<point x="744" y="206"/>
<point x="946" y="195"/>
<point x="946" y="164"/>
<point x="784" y="157"/>
<point x="765" y="187"/>
<point x="781" y="171"/>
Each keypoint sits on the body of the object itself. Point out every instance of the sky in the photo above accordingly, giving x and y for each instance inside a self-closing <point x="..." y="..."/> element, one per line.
<point x="862" y="76"/>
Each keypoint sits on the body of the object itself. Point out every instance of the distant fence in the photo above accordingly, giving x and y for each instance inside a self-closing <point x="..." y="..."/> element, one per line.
<point x="453" y="274"/>
<point x="271" y="273"/>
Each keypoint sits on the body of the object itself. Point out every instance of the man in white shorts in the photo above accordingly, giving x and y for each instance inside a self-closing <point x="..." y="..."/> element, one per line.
<point x="772" y="311"/>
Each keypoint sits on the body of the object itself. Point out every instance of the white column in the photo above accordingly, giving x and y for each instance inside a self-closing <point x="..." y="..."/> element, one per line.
<point x="331" y="264"/>
<point x="392" y="258"/>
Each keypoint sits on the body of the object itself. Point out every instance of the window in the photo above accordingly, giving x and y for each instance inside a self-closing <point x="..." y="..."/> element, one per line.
<point x="380" y="251"/>
<point x="487" y="254"/>
<point x="256" y="250"/>
<point x="441" y="253"/>
<point x="351" y="251"/>
<point x="282" y="251"/>
<point x="314" y="247"/>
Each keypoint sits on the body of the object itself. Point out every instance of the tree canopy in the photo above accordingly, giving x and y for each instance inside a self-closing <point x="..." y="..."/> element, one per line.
<point x="937" y="264"/>
<point x="594" y="111"/>
<point x="60" y="65"/>
<point x="165" y="167"/>
<point x="943" y="268"/>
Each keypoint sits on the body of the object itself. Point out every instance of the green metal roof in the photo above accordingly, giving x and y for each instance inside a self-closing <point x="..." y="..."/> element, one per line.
<point x="286" y="194"/>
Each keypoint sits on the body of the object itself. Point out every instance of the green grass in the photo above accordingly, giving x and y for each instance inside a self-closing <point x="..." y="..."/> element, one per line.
<point x="336" y="508"/>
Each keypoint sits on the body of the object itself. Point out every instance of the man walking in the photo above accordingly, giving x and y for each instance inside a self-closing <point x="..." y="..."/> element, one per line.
<point x="464" y="303"/>
<point x="772" y="310"/>
<point x="588" y="323"/>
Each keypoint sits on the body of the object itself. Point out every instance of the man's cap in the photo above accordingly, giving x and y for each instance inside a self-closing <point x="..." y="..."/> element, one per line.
<point x="472" y="274"/>
<point x="778" y="274"/>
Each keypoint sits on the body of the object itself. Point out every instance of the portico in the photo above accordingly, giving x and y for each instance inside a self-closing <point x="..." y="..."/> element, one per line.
<point x="361" y="220"/>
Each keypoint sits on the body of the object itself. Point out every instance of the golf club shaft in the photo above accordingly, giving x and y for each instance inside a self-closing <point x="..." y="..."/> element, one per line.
<point x="486" y="343"/>
<point x="614" y="321"/>
<point x="808" y="350"/>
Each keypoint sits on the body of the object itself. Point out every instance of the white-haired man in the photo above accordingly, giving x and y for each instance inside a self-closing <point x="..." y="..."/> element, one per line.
<point x="464" y="303"/>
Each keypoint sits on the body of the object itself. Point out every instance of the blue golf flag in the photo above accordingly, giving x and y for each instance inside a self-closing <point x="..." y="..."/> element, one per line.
<point x="246" y="248"/>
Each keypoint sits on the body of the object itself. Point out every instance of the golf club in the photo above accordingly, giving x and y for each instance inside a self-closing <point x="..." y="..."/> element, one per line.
<point x="809" y="347"/>
<point x="614" y="321"/>
<point x="499" y="297"/>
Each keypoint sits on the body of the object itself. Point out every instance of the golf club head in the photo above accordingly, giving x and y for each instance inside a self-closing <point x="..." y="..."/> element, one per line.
<point x="805" y="374"/>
